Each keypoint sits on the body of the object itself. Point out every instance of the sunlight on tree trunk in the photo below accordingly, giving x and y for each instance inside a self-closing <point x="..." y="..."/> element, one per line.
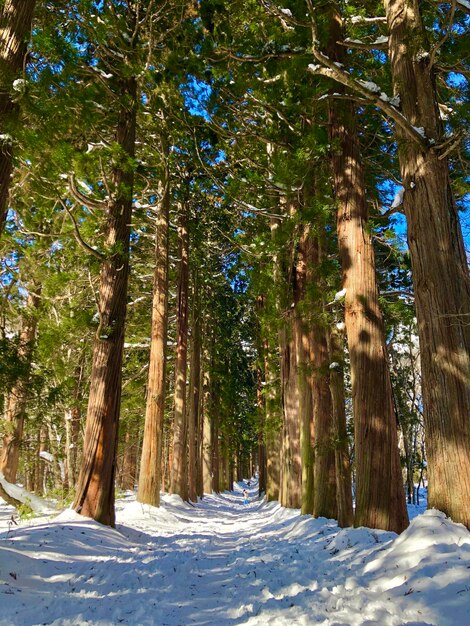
<point x="151" y="460"/>
<point x="440" y="268"/>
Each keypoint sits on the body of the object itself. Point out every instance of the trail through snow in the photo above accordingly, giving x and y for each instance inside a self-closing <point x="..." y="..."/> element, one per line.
<point x="222" y="563"/>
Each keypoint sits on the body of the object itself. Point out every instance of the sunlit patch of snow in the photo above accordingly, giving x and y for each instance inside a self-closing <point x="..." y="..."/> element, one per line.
<point x="219" y="562"/>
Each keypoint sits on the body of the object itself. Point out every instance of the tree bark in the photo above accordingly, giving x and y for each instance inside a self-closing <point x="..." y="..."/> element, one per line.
<point x="342" y="463"/>
<point x="95" y="489"/>
<point x="440" y="269"/>
<point x="150" y="477"/>
<point x="194" y="389"/>
<point x="180" y="433"/>
<point x="215" y="447"/>
<point x="15" y="31"/>
<point x="303" y="273"/>
<point x="291" y="470"/>
<point x="72" y="428"/>
<point x="324" y="470"/>
<point x="128" y="469"/>
<point x="273" y="431"/>
<point x="206" y="451"/>
<point x="17" y="397"/>
<point x="380" y="501"/>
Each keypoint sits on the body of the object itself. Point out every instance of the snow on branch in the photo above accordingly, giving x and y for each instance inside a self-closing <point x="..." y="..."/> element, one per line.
<point x="368" y="90"/>
<point x="360" y="19"/>
<point x="381" y="43"/>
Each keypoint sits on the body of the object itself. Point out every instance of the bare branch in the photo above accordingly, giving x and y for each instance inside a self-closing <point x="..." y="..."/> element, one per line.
<point x="81" y="198"/>
<point x="78" y="236"/>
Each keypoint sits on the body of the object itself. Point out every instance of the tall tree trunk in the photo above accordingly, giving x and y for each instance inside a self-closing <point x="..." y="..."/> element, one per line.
<point x="380" y="501"/>
<point x="72" y="424"/>
<point x="150" y="477"/>
<point x="206" y="452"/>
<point x="303" y="273"/>
<point x="17" y="397"/>
<point x="273" y="421"/>
<point x="324" y="471"/>
<point x="194" y="389"/>
<point x="291" y="471"/>
<point x="180" y="433"/>
<point x="273" y="429"/>
<point x="15" y="30"/>
<point x="260" y="400"/>
<point x="95" y="489"/>
<point x="215" y="447"/>
<point x="440" y="271"/>
<point x="342" y="463"/>
<point x="128" y="469"/>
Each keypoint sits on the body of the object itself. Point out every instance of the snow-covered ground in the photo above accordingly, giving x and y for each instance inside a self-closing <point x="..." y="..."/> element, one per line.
<point x="220" y="563"/>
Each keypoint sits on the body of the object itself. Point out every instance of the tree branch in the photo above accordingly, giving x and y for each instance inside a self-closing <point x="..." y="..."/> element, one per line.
<point x="78" y="236"/>
<point x="370" y="91"/>
<point x="82" y="198"/>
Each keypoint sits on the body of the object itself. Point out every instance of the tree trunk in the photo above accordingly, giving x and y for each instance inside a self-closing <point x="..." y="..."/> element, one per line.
<point x="324" y="470"/>
<point x="180" y="433"/>
<point x="291" y="471"/>
<point x="150" y="477"/>
<point x="95" y="490"/>
<point x="380" y="501"/>
<point x="72" y="429"/>
<point x="15" y="31"/>
<point x="261" y="429"/>
<point x="17" y="397"/>
<point x="440" y="271"/>
<point x="206" y="451"/>
<point x="128" y="470"/>
<point x="342" y="463"/>
<point x="215" y="447"/>
<point x="194" y="388"/>
<point x="303" y="273"/>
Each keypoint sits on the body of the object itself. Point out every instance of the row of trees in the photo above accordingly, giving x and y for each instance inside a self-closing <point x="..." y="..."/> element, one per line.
<point x="222" y="167"/>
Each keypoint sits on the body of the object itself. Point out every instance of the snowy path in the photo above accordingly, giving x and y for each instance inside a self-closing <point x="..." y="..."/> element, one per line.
<point x="221" y="563"/>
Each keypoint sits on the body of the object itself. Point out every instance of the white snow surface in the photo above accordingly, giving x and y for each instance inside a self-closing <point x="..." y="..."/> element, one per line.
<point x="222" y="563"/>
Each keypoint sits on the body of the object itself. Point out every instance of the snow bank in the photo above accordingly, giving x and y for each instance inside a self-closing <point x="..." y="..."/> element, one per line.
<point x="223" y="563"/>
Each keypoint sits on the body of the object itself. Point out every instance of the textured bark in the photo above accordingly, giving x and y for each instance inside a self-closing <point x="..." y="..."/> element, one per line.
<point x="72" y="429"/>
<point x="194" y="392"/>
<point x="380" y="501"/>
<point x="342" y="463"/>
<point x="261" y="400"/>
<point x="303" y="272"/>
<point x="128" y="470"/>
<point x="291" y="471"/>
<point x="17" y="397"/>
<point x="15" y="30"/>
<point x="324" y="471"/>
<point x="95" y="490"/>
<point x="207" y="430"/>
<point x="261" y="452"/>
<point x="179" y="471"/>
<point x="273" y="421"/>
<point x="440" y="270"/>
<point x="150" y="477"/>
<point x="215" y="448"/>
<point x="273" y="428"/>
